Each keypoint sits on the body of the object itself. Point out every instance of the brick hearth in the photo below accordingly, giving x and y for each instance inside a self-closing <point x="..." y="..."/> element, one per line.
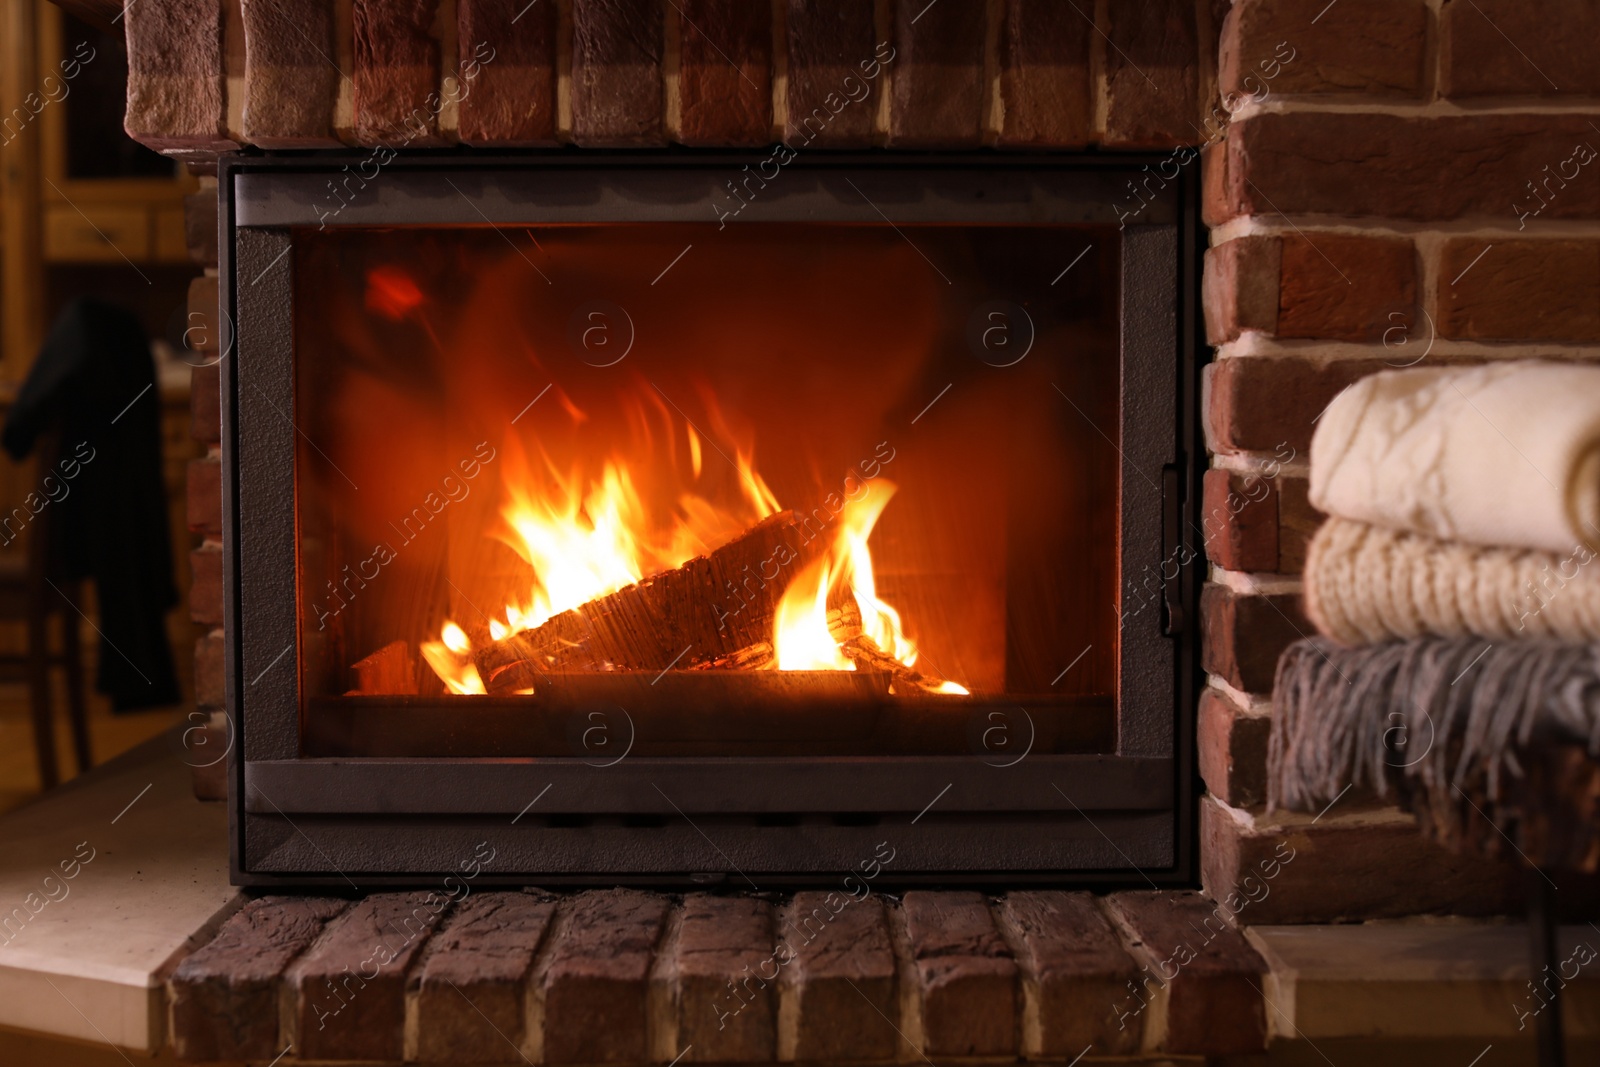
<point x="624" y="976"/>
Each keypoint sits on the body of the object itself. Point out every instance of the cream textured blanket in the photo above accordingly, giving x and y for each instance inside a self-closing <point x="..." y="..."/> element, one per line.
<point x="1365" y="583"/>
<point x="1503" y="454"/>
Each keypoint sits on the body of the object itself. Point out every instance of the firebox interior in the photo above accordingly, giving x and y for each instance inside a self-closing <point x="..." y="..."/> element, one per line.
<point x="513" y="444"/>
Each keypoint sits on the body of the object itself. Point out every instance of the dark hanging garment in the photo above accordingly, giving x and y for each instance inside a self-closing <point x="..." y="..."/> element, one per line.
<point x="93" y="387"/>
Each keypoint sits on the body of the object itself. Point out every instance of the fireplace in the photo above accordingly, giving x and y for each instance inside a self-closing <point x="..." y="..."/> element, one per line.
<point x="673" y="519"/>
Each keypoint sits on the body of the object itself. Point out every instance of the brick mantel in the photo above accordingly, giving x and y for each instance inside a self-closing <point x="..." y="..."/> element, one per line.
<point x="206" y="75"/>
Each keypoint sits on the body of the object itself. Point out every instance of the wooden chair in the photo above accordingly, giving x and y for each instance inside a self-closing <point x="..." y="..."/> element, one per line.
<point x="29" y="595"/>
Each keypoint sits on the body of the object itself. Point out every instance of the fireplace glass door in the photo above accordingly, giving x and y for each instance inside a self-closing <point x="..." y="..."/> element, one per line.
<point x="750" y="488"/>
<point x="651" y="519"/>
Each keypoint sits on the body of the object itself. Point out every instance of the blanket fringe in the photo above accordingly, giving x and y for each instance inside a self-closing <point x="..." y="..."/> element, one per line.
<point x="1440" y="721"/>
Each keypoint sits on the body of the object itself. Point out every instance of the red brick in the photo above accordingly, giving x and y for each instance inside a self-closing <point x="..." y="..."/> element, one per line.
<point x="1297" y="522"/>
<point x="205" y="591"/>
<point x="1045" y="78"/>
<point x="396" y="77"/>
<point x="1213" y="978"/>
<point x="829" y="41"/>
<point x="1244" y="634"/>
<point x="1519" y="290"/>
<point x="1215" y="207"/>
<point x="1074" y="969"/>
<point x="1378" y="868"/>
<point x="1152" y="75"/>
<point x="842" y="979"/>
<point x="290" y="82"/>
<point x="1240" y="520"/>
<point x="204" y="330"/>
<point x="210" y="673"/>
<point x="1372" y="47"/>
<point x="1510" y="48"/>
<point x="1241" y="287"/>
<point x="596" y="990"/>
<point x="200" y="225"/>
<point x="175" y="77"/>
<point x="470" y="991"/>
<point x="938" y="74"/>
<point x="224" y="996"/>
<point x="966" y="978"/>
<point x="205" y="496"/>
<point x="1448" y="167"/>
<point x="1268" y="403"/>
<point x="724" y="72"/>
<point x="1233" y="750"/>
<point x="205" y="403"/>
<point x="616" y="73"/>
<point x="506" y="56"/>
<point x="1340" y="287"/>
<point x="727" y="964"/>
<point x="346" y="995"/>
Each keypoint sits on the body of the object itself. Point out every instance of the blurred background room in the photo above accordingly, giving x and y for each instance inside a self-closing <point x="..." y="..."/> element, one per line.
<point x="96" y="267"/>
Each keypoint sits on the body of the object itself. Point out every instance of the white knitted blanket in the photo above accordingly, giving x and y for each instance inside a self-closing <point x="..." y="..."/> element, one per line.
<point x="1366" y="583"/>
<point x="1502" y="454"/>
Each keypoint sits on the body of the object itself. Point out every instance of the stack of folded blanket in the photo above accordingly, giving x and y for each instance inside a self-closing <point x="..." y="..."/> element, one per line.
<point x="1456" y="585"/>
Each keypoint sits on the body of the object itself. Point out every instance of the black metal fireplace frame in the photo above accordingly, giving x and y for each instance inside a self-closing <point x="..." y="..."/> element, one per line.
<point x="1126" y="817"/>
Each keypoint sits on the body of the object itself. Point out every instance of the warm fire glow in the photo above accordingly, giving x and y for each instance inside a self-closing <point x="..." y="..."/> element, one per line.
<point x="802" y="639"/>
<point x="450" y="660"/>
<point x="585" y="539"/>
<point x="585" y="535"/>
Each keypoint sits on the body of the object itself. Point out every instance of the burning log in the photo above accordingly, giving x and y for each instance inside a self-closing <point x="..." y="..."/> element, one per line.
<point x="390" y="671"/>
<point x="757" y="657"/>
<point x="714" y="607"/>
<point x="844" y="623"/>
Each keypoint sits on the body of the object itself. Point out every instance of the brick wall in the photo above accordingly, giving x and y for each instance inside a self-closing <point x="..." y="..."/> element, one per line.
<point x="1372" y="206"/>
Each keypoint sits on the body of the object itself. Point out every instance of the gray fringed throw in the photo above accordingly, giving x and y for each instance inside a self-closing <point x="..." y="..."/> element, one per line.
<point x="1456" y="727"/>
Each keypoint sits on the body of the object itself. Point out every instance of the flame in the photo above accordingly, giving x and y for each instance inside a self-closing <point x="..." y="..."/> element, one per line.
<point x="451" y="659"/>
<point x="455" y="638"/>
<point x="801" y="638"/>
<point x="587" y="534"/>
<point x="878" y="620"/>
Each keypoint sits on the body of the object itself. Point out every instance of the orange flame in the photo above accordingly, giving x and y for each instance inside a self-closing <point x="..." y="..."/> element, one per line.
<point x="801" y="637"/>
<point x="450" y="658"/>
<point x="585" y="536"/>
